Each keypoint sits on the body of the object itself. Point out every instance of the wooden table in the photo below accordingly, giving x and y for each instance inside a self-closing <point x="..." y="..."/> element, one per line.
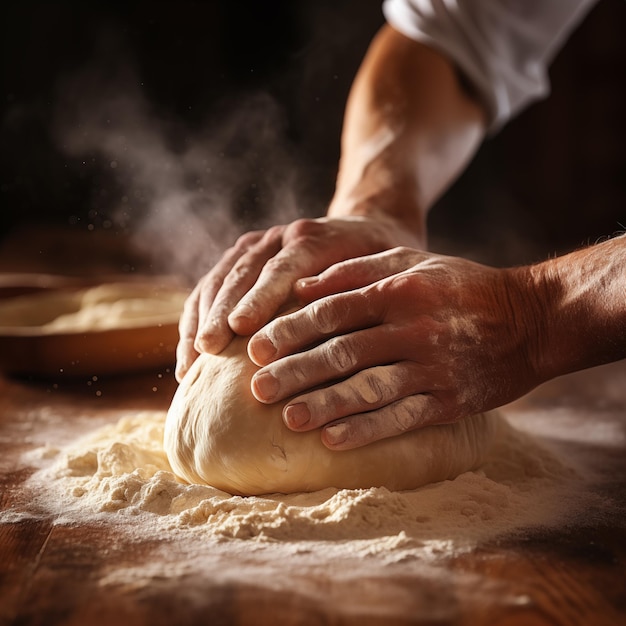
<point x="54" y="573"/>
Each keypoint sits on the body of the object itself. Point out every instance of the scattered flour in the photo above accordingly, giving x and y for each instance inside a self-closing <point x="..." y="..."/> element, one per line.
<point x="119" y="473"/>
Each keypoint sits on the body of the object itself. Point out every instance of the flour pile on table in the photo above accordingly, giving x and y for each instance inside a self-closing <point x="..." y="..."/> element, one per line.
<point x="120" y="474"/>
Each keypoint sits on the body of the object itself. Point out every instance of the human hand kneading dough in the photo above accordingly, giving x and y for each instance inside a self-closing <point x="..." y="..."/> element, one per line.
<point x="410" y="338"/>
<point x="403" y="141"/>
<point x="400" y="338"/>
<point x="257" y="275"/>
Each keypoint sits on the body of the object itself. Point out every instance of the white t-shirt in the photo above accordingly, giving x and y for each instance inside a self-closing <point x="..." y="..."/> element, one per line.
<point x="503" y="47"/>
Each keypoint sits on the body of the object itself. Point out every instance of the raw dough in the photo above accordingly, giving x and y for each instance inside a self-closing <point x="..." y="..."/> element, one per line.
<point x="217" y="433"/>
<point x="103" y="307"/>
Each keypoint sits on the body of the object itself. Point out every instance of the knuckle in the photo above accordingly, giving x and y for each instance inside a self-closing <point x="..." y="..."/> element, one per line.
<point x="186" y="327"/>
<point x="301" y="375"/>
<point x="325" y="316"/>
<point x="401" y="285"/>
<point x="404" y="416"/>
<point x="190" y="305"/>
<point x="283" y="330"/>
<point x="281" y="264"/>
<point x="239" y="274"/>
<point x="294" y="369"/>
<point x="183" y="348"/>
<point x="373" y="390"/>
<point x="210" y="284"/>
<point x="274" y="232"/>
<point x="247" y="239"/>
<point x="339" y="355"/>
<point x="403" y="252"/>
<point x="303" y="228"/>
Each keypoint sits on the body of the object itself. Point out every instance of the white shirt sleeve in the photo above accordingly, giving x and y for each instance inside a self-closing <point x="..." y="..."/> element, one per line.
<point x="503" y="47"/>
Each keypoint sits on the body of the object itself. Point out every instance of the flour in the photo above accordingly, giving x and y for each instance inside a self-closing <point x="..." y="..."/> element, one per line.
<point x="119" y="474"/>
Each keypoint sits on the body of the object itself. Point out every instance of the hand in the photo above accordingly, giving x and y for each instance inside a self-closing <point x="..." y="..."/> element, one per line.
<point x="254" y="279"/>
<point x="408" y="339"/>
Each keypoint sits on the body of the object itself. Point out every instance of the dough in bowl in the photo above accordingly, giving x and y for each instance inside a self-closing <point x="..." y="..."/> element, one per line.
<point x="217" y="433"/>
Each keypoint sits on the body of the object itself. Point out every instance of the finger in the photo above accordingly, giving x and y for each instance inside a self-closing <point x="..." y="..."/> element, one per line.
<point x="215" y="332"/>
<point x="207" y="289"/>
<point x="369" y="389"/>
<point x="323" y="318"/>
<point x="356" y="273"/>
<point x="186" y="354"/>
<point x="275" y="285"/>
<point x="407" y="414"/>
<point x="332" y="360"/>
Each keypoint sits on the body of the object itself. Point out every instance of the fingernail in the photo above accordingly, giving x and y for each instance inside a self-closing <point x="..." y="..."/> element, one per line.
<point x="303" y="283"/>
<point x="242" y="312"/>
<point x="211" y="340"/>
<point x="265" y="387"/>
<point x="336" y="434"/>
<point x="297" y="415"/>
<point x="244" y="319"/>
<point x="206" y="333"/>
<point x="261" y="349"/>
<point x="204" y="342"/>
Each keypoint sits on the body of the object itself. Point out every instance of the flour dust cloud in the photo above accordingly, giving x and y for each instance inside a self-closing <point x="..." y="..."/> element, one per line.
<point x="183" y="192"/>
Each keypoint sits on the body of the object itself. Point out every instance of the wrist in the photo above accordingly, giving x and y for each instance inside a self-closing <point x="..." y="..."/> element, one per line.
<point x="395" y="207"/>
<point x="529" y="307"/>
<point x="539" y="298"/>
<point x="582" y="307"/>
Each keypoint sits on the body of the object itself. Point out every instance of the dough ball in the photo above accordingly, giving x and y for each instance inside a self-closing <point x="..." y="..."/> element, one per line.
<point x="217" y="433"/>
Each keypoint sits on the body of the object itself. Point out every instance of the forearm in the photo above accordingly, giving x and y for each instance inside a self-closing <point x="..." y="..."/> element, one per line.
<point x="582" y="309"/>
<point x="409" y="130"/>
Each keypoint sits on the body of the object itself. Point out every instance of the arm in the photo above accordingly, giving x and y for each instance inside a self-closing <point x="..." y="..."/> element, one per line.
<point x="409" y="129"/>
<point x="435" y="339"/>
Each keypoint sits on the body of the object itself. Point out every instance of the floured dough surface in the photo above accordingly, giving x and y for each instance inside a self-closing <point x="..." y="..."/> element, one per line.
<point x="217" y="433"/>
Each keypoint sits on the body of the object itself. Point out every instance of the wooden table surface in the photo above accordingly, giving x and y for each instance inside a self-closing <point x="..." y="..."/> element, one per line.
<point x="53" y="573"/>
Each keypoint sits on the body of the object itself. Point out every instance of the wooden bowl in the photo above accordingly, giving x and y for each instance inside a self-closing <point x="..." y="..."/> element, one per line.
<point x="54" y="332"/>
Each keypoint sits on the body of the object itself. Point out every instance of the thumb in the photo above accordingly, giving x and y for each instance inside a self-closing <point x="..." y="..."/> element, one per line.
<point x="349" y="275"/>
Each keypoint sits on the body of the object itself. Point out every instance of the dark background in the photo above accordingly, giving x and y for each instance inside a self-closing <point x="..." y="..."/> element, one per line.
<point x="255" y="91"/>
